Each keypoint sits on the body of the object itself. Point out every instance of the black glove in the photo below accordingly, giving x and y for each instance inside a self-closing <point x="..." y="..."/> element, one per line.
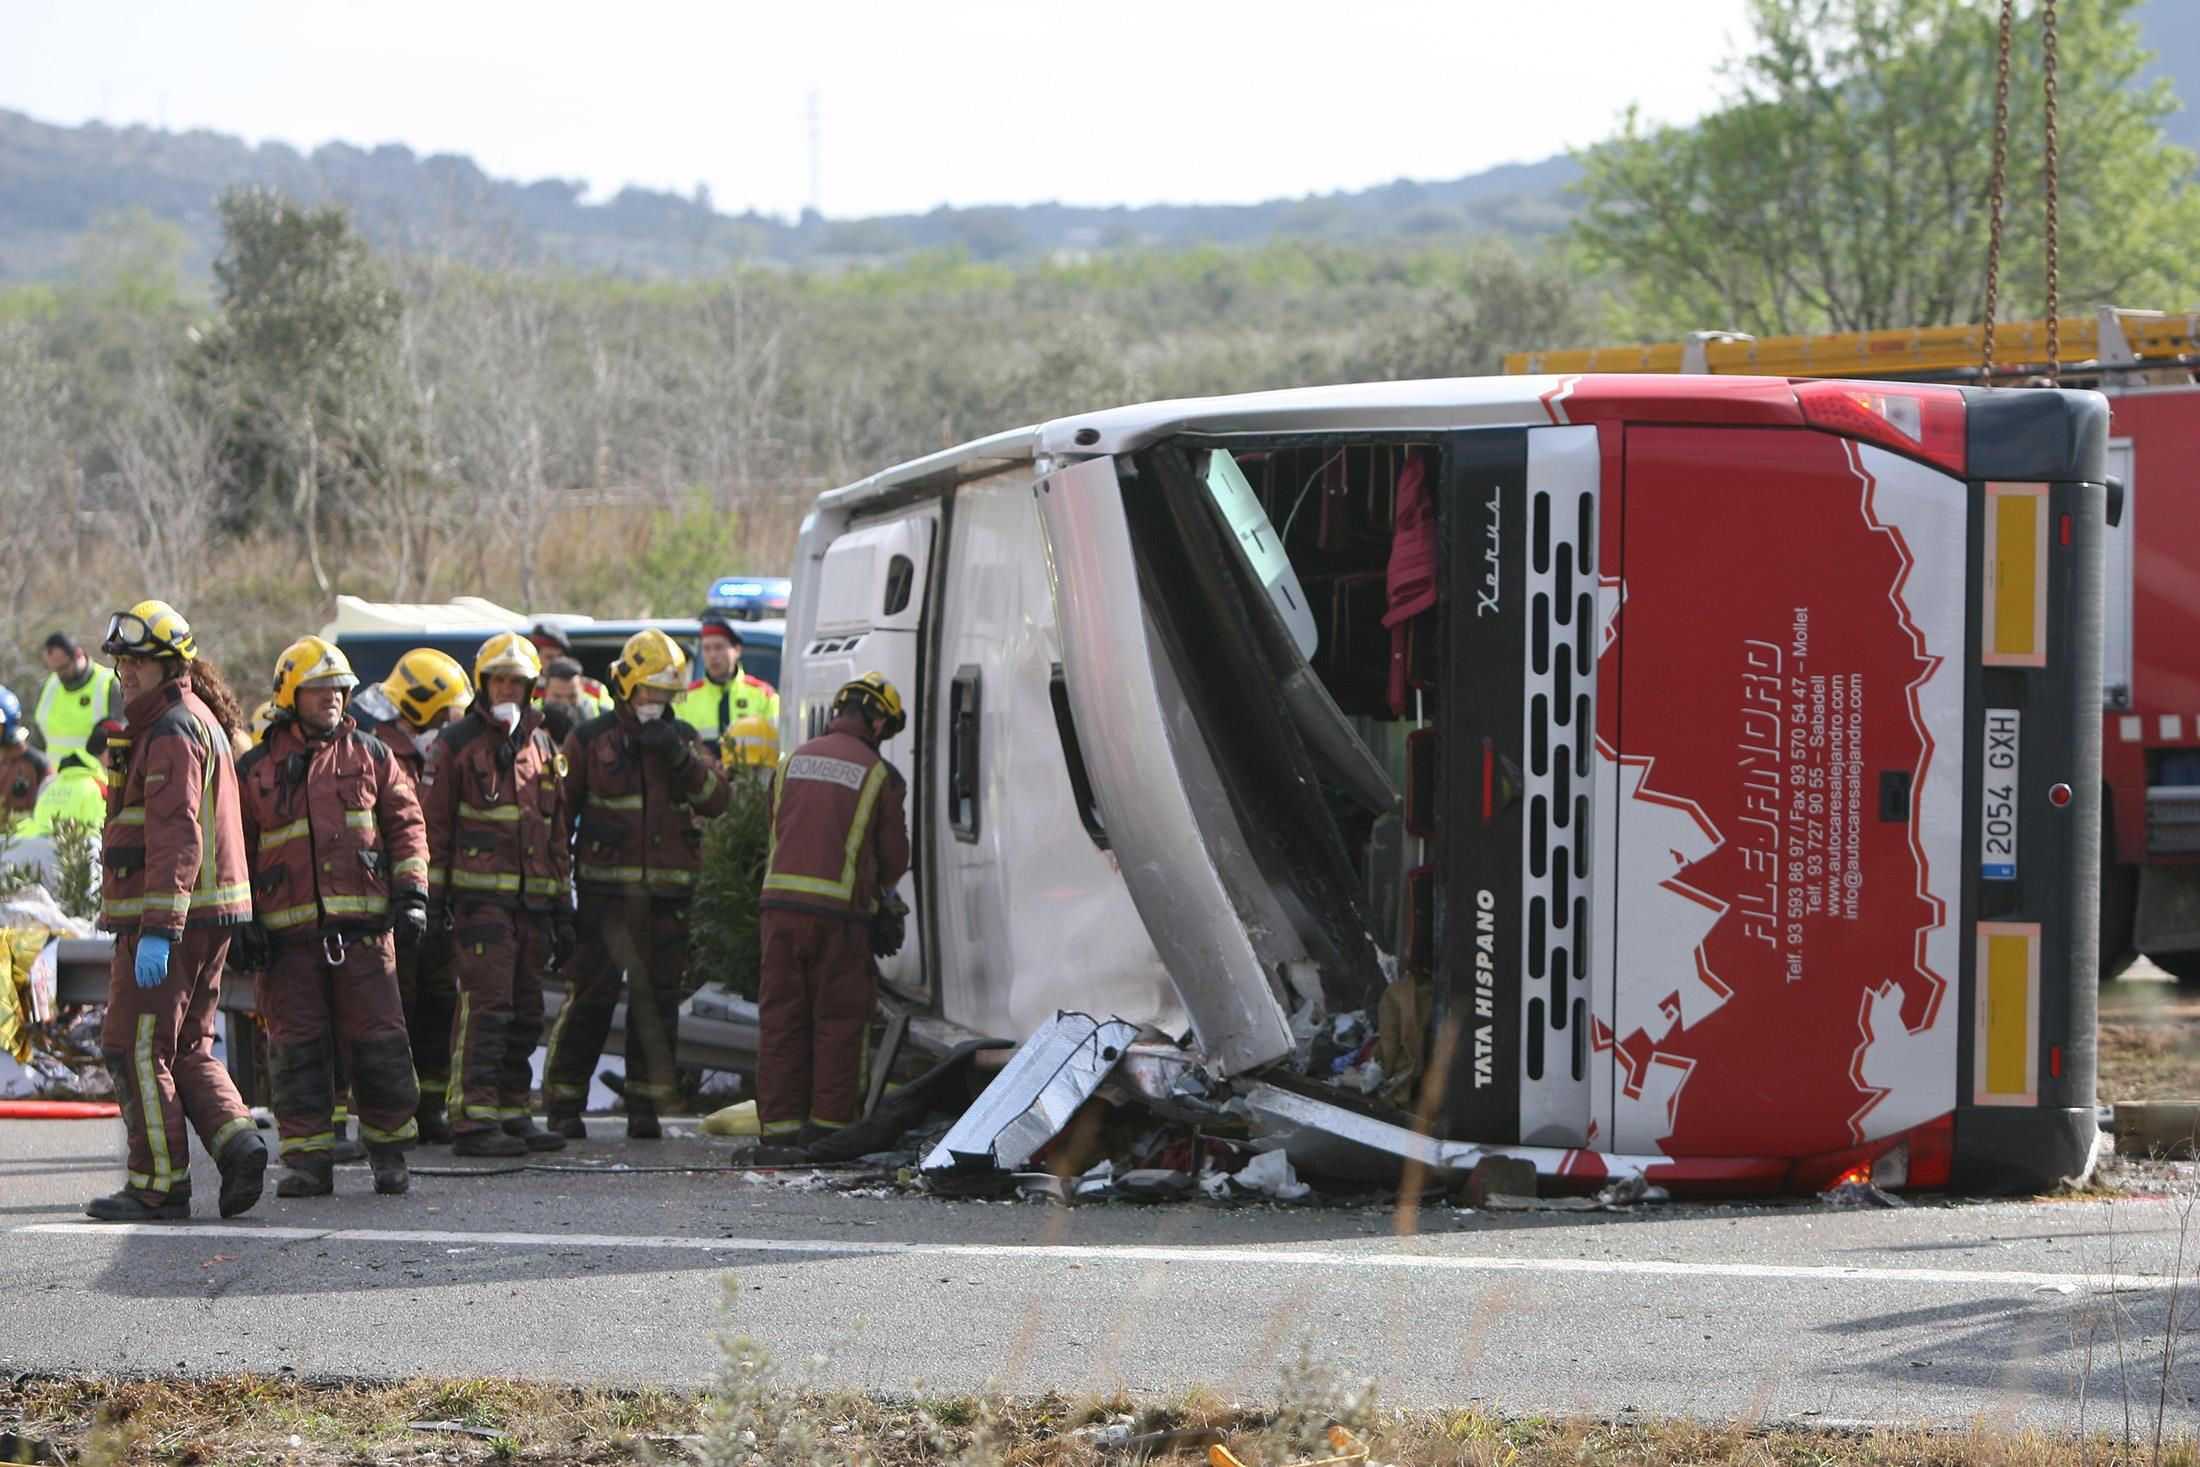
<point x="889" y="926"/>
<point x="565" y="940"/>
<point x="251" y="950"/>
<point x="665" y="737"/>
<point x="410" y="922"/>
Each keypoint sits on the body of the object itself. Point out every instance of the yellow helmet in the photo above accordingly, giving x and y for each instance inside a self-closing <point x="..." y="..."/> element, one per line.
<point x="424" y="683"/>
<point x="876" y="696"/>
<point x="752" y="740"/>
<point x="310" y="662"/>
<point x="150" y="629"/>
<point x="263" y="718"/>
<point x="650" y="659"/>
<point x="507" y="652"/>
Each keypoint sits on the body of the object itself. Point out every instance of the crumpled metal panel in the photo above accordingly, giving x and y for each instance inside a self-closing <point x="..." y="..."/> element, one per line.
<point x="1034" y="1096"/>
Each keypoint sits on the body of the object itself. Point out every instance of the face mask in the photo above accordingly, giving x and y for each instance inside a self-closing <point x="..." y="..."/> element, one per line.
<point x="424" y="739"/>
<point x="649" y="712"/>
<point x="506" y="714"/>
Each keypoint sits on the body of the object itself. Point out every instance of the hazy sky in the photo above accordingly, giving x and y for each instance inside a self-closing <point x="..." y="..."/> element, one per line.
<point x="940" y="101"/>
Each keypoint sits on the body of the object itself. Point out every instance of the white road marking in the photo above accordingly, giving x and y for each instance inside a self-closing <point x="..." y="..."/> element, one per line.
<point x="1288" y="1257"/>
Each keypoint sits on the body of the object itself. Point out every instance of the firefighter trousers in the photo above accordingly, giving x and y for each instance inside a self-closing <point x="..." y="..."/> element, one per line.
<point x="813" y="1003"/>
<point x="158" y="1044"/>
<point x="430" y="997"/>
<point x="500" y="958"/>
<point x="646" y="939"/>
<point x="333" y="1022"/>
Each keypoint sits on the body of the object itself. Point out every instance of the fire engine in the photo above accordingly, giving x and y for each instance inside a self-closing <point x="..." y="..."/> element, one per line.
<point x="2147" y="363"/>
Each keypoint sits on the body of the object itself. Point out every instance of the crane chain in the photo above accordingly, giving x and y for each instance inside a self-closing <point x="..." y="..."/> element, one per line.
<point x="2048" y="47"/>
<point x="1995" y="190"/>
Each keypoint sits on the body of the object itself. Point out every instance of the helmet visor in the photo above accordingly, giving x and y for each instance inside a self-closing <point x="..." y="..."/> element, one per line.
<point x="127" y="632"/>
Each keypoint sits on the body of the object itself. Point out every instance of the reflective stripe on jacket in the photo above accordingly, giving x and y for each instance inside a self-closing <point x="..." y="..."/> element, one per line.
<point x="175" y="836"/>
<point x="66" y="716"/>
<point x="839" y="835"/>
<point x="711" y="708"/>
<point x="333" y="829"/>
<point x="635" y="814"/>
<point x="496" y="815"/>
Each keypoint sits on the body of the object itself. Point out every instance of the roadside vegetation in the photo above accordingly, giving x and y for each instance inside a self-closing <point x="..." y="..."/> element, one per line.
<point x="249" y="1420"/>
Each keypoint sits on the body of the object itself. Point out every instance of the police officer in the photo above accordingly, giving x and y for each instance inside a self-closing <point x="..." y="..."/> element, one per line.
<point x="839" y="845"/>
<point x="724" y="694"/>
<point x="640" y="782"/>
<point x="340" y="883"/>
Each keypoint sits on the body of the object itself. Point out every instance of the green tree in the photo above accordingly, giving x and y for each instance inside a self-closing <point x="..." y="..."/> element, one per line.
<point x="306" y="346"/>
<point x="1844" y="184"/>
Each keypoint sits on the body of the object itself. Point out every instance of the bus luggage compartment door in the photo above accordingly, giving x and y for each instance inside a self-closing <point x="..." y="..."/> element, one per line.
<point x="1787" y="769"/>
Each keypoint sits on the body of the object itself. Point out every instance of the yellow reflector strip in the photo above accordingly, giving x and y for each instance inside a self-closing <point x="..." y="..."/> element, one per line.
<point x="2005" y="1058"/>
<point x="2016" y="575"/>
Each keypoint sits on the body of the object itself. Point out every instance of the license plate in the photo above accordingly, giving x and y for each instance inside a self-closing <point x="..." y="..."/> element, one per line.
<point x="1997" y="826"/>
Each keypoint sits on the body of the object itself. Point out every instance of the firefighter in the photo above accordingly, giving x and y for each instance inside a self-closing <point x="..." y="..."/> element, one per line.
<point x="77" y="693"/>
<point x="409" y="711"/>
<point x="751" y="744"/>
<point x="838" y="846"/>
<point x="640" y="783"/>
<point x="724" y="694"/>
<point x="494" y="793"/>
<point x="340" y="886"/>
<point x="173" y="891"/>
<point x="23" y="769"/>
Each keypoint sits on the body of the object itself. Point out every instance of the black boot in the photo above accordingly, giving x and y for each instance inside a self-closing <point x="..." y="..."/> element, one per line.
<point x="128" y="1206"/>
<point x="311" y="1174"/>
<point x="435" y="1130"/>
<point x="487" y="1143"/>
<point x="641" y="1121"/>
<point x="392" y="1178"/>
<point x="534" y="1137"/>
<point x="243" y="1164"/>
<point x="569" y="1125"/>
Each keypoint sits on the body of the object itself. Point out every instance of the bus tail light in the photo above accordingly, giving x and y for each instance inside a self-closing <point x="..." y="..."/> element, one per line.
<point x="1920" y="422"/>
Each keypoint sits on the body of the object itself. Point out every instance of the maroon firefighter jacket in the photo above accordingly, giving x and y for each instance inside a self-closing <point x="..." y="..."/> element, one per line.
<point x="839" y="837"/>
<point x="175" y="842"/>
<point x="334" y="829"/>
<point x="635" y="812"/>
<point x="496" y="815"/>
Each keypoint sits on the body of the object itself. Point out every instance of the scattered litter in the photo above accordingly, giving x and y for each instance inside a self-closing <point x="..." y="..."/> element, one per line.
<point x="1615" y="1197"/>
<point x="1270" y="1175"/>
<point x="1042" y="1185"/>
<point x="1029" y="1103"/>
<point x="1348" y="1448"/>
<point x="454" y="1252"/>
<point x="486" y="1433"/>
<point x="1860" y="1194"/>
<point x="1153" y="1184"/>
<point x="733" y="1120"/>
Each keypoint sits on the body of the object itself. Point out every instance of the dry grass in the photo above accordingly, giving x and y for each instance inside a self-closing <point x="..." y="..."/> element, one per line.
<point x="256" y="1420"/>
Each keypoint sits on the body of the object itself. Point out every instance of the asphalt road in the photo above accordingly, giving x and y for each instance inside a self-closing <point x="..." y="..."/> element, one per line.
<point x="1937" y="1312"/>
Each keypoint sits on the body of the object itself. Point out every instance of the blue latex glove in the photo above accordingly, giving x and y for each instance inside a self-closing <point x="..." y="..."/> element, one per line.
<point x="152" y="960"/>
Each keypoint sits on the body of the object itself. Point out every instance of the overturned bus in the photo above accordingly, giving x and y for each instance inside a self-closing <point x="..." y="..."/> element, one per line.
<point x="1704" y="771"/>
